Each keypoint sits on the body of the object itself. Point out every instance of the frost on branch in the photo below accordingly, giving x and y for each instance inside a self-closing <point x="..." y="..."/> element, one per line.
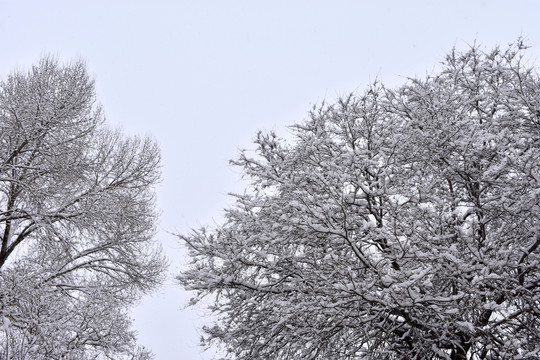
<point x="77" y="220"/>
<point x="397" y="224"/>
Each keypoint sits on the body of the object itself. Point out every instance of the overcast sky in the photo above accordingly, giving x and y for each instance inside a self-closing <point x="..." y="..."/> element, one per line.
<point x="203" y="76"/>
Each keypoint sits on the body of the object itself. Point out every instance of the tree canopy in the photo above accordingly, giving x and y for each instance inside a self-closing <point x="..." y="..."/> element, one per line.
<point x="395" y="224"/>
<point x="77" y="220"/>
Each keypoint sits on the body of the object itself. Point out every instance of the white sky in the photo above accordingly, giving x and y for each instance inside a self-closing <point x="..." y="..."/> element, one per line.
<point x="203" y="76"/>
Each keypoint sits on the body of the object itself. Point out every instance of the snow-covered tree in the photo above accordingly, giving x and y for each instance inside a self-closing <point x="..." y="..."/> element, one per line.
<point x="77" y="220"/>
<point x="396" y="224"/>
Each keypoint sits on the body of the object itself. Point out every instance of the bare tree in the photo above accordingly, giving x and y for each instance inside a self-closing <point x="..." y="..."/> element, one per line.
<point x="77" y="219"/>
<point x="397" y="224"/>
